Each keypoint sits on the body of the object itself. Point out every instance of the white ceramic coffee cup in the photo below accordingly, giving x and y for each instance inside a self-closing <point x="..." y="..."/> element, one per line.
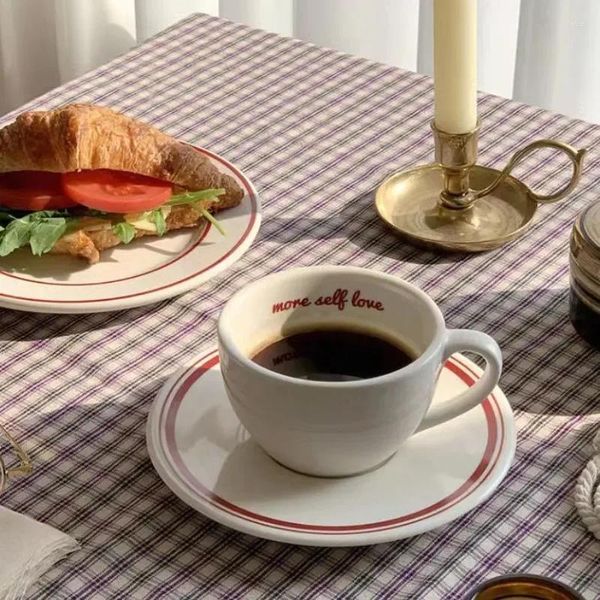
<point x="342" y="428"/>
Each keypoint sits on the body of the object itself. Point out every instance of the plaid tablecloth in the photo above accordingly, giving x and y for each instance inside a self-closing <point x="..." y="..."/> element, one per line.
<point x="316" y="131"/>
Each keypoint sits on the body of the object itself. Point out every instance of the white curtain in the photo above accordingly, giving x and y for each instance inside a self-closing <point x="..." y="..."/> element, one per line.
<point x="542" y="52"/>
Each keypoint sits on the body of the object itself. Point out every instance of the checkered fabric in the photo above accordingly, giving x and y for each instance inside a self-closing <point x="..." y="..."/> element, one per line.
<point x="316" y="131"/>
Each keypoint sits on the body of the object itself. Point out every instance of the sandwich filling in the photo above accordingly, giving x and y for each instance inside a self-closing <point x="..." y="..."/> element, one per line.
<point x="44" y="210"/>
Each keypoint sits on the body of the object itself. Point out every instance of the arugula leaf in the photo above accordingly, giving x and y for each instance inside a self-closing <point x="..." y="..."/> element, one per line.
<point x="16" y="235"/>
<point x="158" y="218"/>
<point x="39" y="230"/>
<point x="191" y="197"/>
<point x="45" y="232"/>
<point x="124" y="231"/>
<point x="212" y="220"/>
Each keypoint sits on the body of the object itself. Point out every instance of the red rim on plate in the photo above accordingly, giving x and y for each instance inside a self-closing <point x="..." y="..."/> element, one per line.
<point x="493" y="450"/>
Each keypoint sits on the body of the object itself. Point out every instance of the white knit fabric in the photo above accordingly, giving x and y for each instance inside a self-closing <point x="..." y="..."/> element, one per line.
<point x="27" y="549"/>
<point x="587" y="491"/>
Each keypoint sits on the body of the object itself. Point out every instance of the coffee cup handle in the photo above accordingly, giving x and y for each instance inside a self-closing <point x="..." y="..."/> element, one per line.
<point x="460" y="340"/>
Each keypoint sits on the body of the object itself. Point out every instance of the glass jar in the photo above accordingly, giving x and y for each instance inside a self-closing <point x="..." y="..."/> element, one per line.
<point x="523" y="587"/>
<point x="585" y="275"/>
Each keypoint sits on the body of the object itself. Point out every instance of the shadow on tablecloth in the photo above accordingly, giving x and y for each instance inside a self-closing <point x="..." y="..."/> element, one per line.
<point x="94" y="480"/>
<point x="25" y="326"/>
<point x="355" y="222"/>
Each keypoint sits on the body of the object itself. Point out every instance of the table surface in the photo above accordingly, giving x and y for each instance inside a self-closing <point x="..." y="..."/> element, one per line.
<point x="316" y="130"/>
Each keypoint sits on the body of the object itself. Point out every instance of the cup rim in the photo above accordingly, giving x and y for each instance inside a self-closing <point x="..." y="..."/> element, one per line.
<point x="226" y="339"/>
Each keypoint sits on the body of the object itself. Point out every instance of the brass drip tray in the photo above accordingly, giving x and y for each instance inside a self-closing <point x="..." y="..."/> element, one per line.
<point x="409" y="203"/>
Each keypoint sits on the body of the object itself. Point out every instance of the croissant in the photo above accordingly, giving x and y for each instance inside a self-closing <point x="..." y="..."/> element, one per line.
<point x="85" y="136"/>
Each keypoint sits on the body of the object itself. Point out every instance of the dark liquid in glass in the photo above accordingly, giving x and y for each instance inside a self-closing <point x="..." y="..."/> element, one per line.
<point x="585" y="319"/>
<point x="333" y="355"/>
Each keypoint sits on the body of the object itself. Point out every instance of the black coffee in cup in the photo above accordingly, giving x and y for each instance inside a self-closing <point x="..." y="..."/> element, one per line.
<point x="335" y="354"/>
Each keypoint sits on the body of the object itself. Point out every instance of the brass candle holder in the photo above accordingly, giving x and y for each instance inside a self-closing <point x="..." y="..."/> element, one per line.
<point x="457" y="205"/>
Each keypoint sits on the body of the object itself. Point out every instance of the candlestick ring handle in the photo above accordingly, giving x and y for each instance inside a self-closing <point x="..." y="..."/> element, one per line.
<point x="575" y="156"/>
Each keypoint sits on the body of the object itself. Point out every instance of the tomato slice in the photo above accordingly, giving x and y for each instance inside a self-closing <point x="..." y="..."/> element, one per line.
<point x="32" y="191"/>
<point x="116" y="191"/>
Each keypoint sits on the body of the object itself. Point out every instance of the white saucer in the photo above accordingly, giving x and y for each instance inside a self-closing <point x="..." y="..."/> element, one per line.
<point x="205" y="456"/>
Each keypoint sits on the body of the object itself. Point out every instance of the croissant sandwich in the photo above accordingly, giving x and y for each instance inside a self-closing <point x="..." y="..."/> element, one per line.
<point x="82" y="178"/>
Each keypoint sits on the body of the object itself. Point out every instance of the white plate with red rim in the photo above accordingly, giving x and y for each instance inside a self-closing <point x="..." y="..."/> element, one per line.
<point x="144" y="272"/>
<point x="202" y="452"/>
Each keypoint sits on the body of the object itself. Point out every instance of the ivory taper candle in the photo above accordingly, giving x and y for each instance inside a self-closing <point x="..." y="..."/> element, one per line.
<point x="455" y="64"/>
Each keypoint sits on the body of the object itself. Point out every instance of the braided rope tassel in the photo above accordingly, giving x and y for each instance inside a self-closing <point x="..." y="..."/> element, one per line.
<point x="587" y="491"/>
